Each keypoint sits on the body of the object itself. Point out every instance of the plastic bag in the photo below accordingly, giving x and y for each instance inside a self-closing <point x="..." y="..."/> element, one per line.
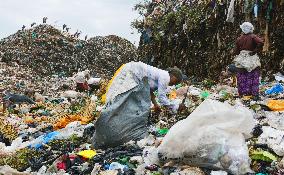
<point x="218" y="173"/>
<point x="7" y="170"/>
<point x="212" y="136"/>
<point x="278" y="88"/>
<point x="44" y="139"/>
<point x="118" y="166"/>
<point x="263" y="155"/>
<point x="204" y="94"/>
<point x="273" y="138"/>
<point x="276" y="105"/>
<point x="150" y="156"/>
<point x="87" y="154"/>
<point x="189" y="171"/>
<point x="275" y="120"/>
<point x="279" y="77"/>
<point x="244" y="60"/>
<point x="125" y="119"/>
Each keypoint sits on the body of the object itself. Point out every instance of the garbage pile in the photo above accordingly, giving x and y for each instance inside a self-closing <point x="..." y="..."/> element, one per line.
<point x="224" y="134"/>
<point x="48" y="51"/>
<point x="105" y="54"/>
<point x="199" y="35"/>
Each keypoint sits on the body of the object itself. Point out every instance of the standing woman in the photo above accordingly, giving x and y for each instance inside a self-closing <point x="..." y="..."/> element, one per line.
<point x="247" y="61"/>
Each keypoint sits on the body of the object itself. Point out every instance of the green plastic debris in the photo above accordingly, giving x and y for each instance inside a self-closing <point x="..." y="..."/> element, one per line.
<point x="223" y="93"/>
<point x="255" y="107"/>
<point x="204" y="94"/>
<point x="263" y="155"/>
<point x="156" y="173"/>
<point x="156" y="93"/>
<point x="261" y="174"/>
<point x="130" y="165"/>
<point x="163" y="131"/>
<point x="208" y="83"/>
<point x="178" y="86"/>
<point x="34" y="35"/>
<point x="124" y="160"/>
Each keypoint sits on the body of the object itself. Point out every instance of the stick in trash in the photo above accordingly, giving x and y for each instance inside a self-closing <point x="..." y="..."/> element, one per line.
<point x="183" y="101"/>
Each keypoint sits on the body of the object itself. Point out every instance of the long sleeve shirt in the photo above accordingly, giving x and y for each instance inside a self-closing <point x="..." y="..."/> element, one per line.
<point x="158" y="79"/>
<point x="249" y="42"/>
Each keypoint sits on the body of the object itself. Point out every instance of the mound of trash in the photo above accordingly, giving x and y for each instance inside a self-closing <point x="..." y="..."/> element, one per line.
<point x="57" y="131"/>
<point x="48" y="51"/>
<point x="108" y="53"/>
<point x="199" y="36"/>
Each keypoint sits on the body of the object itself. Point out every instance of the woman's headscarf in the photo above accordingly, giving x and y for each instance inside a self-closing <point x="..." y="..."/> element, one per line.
<point x="247" y="27"/>
<point x="176" y="72"/>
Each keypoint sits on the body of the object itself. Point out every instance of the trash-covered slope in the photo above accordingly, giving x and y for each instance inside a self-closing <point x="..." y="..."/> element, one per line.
<point x="106" y="54"/>
<point x="198" y="36"/>
<point x="56" y="131"/>
<point x="48" y="51"/>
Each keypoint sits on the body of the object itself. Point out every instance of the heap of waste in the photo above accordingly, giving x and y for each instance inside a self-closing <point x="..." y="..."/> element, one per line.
<point x="48" y="51"/>
<point x="200" y="35"/>
<point x="218" y="133"/>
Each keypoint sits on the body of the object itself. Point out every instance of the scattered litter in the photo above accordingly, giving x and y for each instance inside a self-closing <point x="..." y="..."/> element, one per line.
<point x="89" y="154"/>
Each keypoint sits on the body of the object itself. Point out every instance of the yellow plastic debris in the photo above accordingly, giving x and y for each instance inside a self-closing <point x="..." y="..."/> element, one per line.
<point x="64" y="121"/>
<point x="109" y="172"/>
<point x="276" y="105"/>
<point x="87" y="153"/>
<point x="28" y="119"/>
<point x="109" y="84"/>
<point x="173" y="95"/>
<point x="246" y="98"/>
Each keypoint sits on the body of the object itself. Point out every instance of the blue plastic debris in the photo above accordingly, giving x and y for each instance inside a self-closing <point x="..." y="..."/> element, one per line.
<point x="278" y="88"/>
<point x="45" y="139"/>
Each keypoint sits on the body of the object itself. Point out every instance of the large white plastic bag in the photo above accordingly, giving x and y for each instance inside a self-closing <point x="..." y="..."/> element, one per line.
<point x="244" y="60"/>
<point x="212" y="136"/>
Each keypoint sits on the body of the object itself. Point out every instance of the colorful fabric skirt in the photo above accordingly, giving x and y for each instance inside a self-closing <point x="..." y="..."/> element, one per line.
<point x="248" y="82"/>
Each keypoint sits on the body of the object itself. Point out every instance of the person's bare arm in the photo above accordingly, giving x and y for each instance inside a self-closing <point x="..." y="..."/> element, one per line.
<point x="153" y="99"/>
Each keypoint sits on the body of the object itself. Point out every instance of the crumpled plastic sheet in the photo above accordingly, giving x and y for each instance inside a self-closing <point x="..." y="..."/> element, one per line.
<point x="74" y="128"/>
<point x="275" y="120"/>
<point x="273" y="138"/>
<point x="219" y="139"/>
<point x="191" y="171"/>
<point x="7" y="170"/>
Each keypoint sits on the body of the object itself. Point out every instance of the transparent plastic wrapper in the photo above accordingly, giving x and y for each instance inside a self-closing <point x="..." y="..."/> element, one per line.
<point x="7" y="170"/>
<point x="275" y="120"/>
<point x="273" y="138"/>
<point x="218" y="173"/>
<point x="212" y="136"/>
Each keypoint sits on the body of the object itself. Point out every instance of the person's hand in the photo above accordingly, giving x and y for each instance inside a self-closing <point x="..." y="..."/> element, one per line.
<point x="252" y="53"/>
<point x="157" y="109"/>
<point x="182" y="107"/>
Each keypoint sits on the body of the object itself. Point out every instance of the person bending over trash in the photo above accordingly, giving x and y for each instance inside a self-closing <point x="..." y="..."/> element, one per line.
<point x="81" y="80"/>
<point x="128" y="101"/>
<point x="94" y="84"/>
